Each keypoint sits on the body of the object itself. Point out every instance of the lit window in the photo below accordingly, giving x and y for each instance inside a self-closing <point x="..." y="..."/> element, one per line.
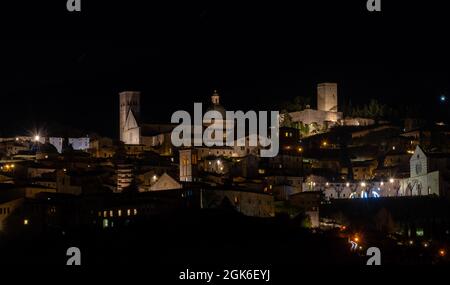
<point x="111" y="213"/>
<point x="135" y="212"/>
<point x="119" y="213"/>
<point x="128" y="212"/>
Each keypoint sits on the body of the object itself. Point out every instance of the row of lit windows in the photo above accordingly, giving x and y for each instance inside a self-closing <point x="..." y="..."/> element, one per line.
<point x="4" y="211"/>
<point x="111" y="214"/>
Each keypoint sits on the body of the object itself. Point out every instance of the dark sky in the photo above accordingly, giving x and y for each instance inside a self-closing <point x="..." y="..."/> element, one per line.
<point x="61" y="68"/>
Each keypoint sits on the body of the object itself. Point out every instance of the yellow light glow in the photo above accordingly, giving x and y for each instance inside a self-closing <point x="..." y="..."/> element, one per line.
<point x="37" y="138"/>
<point x="25" y="222"/>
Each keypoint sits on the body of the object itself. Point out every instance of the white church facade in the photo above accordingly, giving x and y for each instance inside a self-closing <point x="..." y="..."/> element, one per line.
<point x="427" y="172"/>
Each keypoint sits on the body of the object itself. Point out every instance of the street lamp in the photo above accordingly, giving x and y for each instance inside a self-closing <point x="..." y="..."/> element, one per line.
<point x="37" y="138"/>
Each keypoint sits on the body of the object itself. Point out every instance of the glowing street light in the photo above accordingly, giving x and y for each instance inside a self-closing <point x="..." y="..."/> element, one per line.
<point x="37" y="138"/>
<point x="443" y="98"/>
<point x="363" y="184"/>
<point x="391" y="180"/>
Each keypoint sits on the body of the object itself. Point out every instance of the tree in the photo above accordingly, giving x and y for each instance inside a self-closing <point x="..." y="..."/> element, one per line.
<point x="287" y="119"/>
<point x="304" y="129"/>
<point x="297" y="104"/>
<point x="374" y="110"/>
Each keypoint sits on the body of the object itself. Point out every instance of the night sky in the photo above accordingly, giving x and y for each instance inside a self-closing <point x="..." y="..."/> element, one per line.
<point x="256" y="56"/>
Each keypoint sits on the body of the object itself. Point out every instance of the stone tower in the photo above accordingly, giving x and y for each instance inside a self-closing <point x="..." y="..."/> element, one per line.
<point x="215" y="98"/>
<point x="188" y="164"/>
<point x="130" y="109"/>
<point x="327" y="97"/>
